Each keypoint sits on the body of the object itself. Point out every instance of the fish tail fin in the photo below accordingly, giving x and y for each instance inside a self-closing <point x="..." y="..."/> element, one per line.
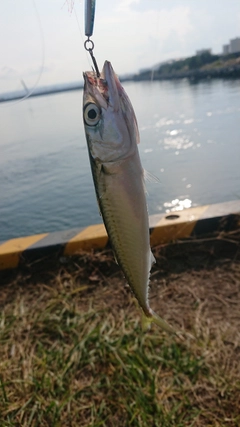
<point x="152" y="317"/>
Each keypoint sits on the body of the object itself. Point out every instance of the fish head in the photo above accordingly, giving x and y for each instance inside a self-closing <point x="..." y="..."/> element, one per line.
<point x="109" y="119"/>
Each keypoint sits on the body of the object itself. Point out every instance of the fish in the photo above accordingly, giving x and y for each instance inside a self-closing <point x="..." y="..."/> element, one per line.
<point x="112" y="138"/>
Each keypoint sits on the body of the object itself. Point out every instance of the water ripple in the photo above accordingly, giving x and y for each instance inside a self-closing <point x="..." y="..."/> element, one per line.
<point x="177" y="205"/>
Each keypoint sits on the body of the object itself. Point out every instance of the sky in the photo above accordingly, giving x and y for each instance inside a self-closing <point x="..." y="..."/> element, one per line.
<point x="41" y="41"/>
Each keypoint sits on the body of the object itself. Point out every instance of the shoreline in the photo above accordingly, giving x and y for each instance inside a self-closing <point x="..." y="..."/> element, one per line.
<point x="190" y="223"/>
<point x="230" y="72"/>
<point x="198" y="74"/>
<point x="50" y="91"/>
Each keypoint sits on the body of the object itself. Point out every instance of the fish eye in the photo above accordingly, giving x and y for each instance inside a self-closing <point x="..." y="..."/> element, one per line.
<point x="92" y="114"/>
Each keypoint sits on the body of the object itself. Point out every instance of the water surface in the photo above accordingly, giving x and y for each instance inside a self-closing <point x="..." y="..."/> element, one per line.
<point x="190" y="140"/>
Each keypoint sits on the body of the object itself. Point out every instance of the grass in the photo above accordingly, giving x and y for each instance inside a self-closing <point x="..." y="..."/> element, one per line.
<point x="72" y="352"/>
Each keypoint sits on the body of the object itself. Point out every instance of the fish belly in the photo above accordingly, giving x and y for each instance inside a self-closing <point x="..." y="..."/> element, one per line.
<point x="123" y="205"/>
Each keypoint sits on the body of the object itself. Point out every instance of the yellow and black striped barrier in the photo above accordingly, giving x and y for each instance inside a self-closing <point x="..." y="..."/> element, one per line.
<point x="164" y="228"/>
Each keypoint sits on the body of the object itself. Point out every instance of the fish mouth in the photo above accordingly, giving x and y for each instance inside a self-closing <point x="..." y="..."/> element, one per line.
<point x="107" y="86"/>
<point x="111" y="78"/>
<point x="113" y="84"/>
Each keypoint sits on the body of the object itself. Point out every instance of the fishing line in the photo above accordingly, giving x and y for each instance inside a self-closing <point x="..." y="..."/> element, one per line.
<point x="89" y="24"/>
<point x="72" y="7"/>
<point x="156" y="50"/>
<point x="38" y="18"/>
<point x="81" y="34"/>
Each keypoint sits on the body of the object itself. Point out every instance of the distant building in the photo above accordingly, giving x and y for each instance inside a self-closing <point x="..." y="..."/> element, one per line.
<point x="226" y="49"/>
<point x="232" y="47"/>
<point x="202" y="51"/>
<point x="235" y="45"/>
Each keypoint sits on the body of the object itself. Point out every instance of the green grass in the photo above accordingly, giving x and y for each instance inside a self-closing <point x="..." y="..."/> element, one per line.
<point x="70" y="356"/>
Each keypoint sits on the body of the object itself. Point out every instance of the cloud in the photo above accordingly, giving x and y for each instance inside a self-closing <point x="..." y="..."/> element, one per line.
<point x="125" y="5"/>
<point x="141" y="38"/>
<point x="132" y="34"/>
<point x="8" y="73"/>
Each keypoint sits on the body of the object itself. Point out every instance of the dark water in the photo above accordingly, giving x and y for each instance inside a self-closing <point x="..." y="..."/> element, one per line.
<point x="190" y="139"/>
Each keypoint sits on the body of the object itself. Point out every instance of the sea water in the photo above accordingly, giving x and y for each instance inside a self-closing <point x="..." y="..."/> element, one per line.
<point x="190" y="140"/>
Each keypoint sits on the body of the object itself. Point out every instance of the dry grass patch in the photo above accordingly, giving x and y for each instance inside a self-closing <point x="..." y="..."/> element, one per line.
<point x="72" y="352"/>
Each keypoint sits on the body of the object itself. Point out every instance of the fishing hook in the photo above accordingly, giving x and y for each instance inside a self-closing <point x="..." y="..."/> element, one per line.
<point x="89" y="23"/>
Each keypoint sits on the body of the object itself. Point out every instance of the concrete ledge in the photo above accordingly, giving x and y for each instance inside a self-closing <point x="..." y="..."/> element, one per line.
<point x="164" y="228"/>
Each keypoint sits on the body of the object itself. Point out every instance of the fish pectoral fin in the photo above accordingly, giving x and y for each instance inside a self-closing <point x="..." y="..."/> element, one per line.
<point x="110" y="168"/>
